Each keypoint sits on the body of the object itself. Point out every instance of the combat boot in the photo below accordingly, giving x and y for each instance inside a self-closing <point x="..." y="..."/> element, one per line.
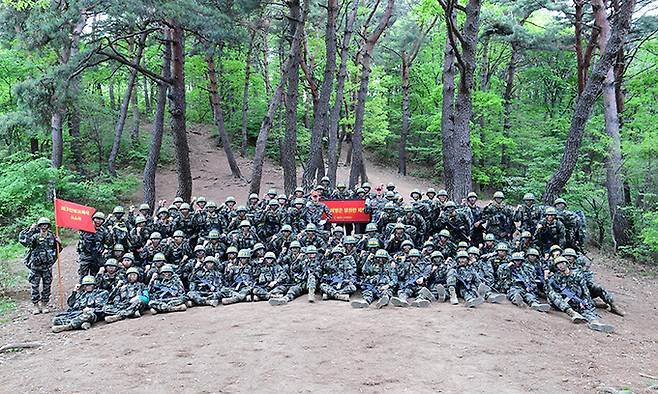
<point x="230" y="300"/>
<point x="383" y="301"/>
<point x="473" y="302"/>
<point x="45" y="309"/>
<point x="325" y="296"/>
<point x="397" y="301"/>
<point x="540" y="307"/>
<point x="278" y="301"/>
<point x="65" y="327"/>
<point x="178" y="308"/>
<point x="440" y="293"/>
<point x="426" y="294"/>
<point x="421" y="303"/>
<point x="213" y="303"/>
<point x="113" y="318"/>
<point x="342" y="297"/>
<point x="256" y="298"/>
<point x="247" y="298"/>
<point x="36" y="309"/>
<point x="189" y="303"/>
<point x="517" y="300"/>
<point x="154" y="311"/>
<point x="359" y="304"/>
<point x="311" y="295"/>
<point x="137" y="314"/>
<point x="496" y="298"/>
<point x="596" y="325"/>
<point x="483" y="289"/>
<point x="576" y="317"/>
<point x="613" y="309"/>
<point x="453" y="296"/>
<point x="85" y="326"/>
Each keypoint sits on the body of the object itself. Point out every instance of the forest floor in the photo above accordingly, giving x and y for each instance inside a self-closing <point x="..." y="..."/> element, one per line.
<point x="330" y="347"/>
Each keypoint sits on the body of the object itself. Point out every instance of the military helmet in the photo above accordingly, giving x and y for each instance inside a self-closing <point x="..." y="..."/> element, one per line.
<point x="390" y="185"/>
<point x="532" y="252"/>
<point x="408" y="208"/>
<point x="430" y="190"/>
<point x="462" y="244"/>
<point x="166" y="268"/>
<point x="159" y="257"/>
<point x="311" y="227"/>
<point x="210" y="259"/>
<point x="258" y="246"/>
<point x="428" y="244"/>
<point x="325" y="179"/>
<point x="414" y="253"/>
<point x="444" y="233"/>
<point x="185" y="206"/>
<point x="489" y="237"/>
<point x="160" y="211"/>
<point x="341" y="186"/>
<point x="98" y="215"/>
<point x="499" y="194"/>
<point x="230" y="199"/>
<point x="172" y="207"/>
<point x="270" y="255"/>
<point x="436" y="254"/>
<point x="550" y="211"/>
<point x="554" y="248"/>
<point x="201" y="199"/>
<point x="389" y="205"/>
<point x="526" y="234"/>
<point x="415" y="191"/>
<point x="360" y="190"/>
<point x="245" y="223"/>
<point x="282" y="197"/>
<point x="88" y="280"/>
<point x="253" y="196"/>
<point x="298" y="201"/>
<point x="118" y="209"/>
<point x="473" y="250"/>
<point x="199" y="248"/>
<point x="366" y="184"/>
<point x="295" y="244"/>
<point x="140" y="219"/>
<point x="319" y="187"/>
<point x="118" y="248"/>
<point x="144" y="207"/>
<point x="179" y="233"/>
<point x="518" y="256"/>
<point x="349" y="240"/>
<point x="372" y="243"/>
<point x="450" y="204"/>
<point x="529" y="197"/>
<point x="231" y="249"/>
<point x="244" y="254"/>
<point x="132" y="270"/>
<point x="371" y="227"/>
<point x="389" y="194"/>
<point x="407" y="242"/>
<point x="211" y="204"/>
<point x="43" y="220"/>
<point x="442" y="192"/>
<point x="111" y="263"/>
<point x="399" y="226"/>
<point x="462" y="253"/>
<point x="128" y="256"/>
<point x="241" y="208"/>
<point x="286" y="227"/>
<point x="557" y="261"/>
<point x="560" y="201"/>
<point x="299" y="189"/>
<point x="338" y="229"/>
<point x="338" y="249"/>
<point x="502" y="246"/>
<point x="272" y="192"/>
<point x="569" y="252"/>
<point x="213" y="234"/>
<point x="381" y="253"/>
<point x="155" y="235"/>
<point x="472" y="194"/>
<point x="178" y="200"/>
<point x="311" y="249"/>
<point x="273" y="202"/>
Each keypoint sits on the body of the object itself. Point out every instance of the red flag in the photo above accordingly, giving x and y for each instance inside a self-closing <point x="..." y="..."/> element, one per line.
<point x="72" y="215"/>
<point x="347" y="211"/>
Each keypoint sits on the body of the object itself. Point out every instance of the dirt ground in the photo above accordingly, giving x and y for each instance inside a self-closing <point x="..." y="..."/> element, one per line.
<point x="330" y="347"/>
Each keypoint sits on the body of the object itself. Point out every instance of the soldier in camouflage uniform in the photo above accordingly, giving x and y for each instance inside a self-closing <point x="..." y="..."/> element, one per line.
<point x="85" y="307"/>
<point x="397" y="239"/>
<point x="569" y="293"/>
<point x="109" y="276"/>
<point x="280" y="242"/>
<point x="239" y="279"/>
<point x="316" y="209"/>
<point x="456" y="222"/>
<point x="240" y="216"/>
<point x="443" y="280"/>
<point x="166" y="291"/>
<point x="185" y="222"/>
<point x="475" y="217"/>
<point x="499" y="218"/>
<point x="573" y="226"/>
<point x="191" y="265"/>
<point x="227" y="210"/>
<point x="39" y="259"/>
<point x="529" y="214"/>
<point x="118" y="228"/>
<point x="413" y="281"/>
<point x="152" y="247"/>
<point x="414" y="219"/>
<point x="338" y="276"/>
<point x="245" y="238"/>
<point x="310" y="237"/>
<point x="215" y="244"/>
<point x="129" y="299"/>
<point x="524" y="243"/>
<point x="488" y="248"/>
<point x="269" y="221"/>
<point x="550" y="231"/>
<point x="153" y="267"/>
<point x="206" y="284"/>
<point x="467" y="281"/>
<point x="517" y="279"/>
<point x="444" y="245"/>
<point x="303" y="268"/>
<point x="139" y="235"/>
<point x="213" y="220"/>
<point x="177" y="251"/>
<point x="272" y="279"/>
<point x="379" y="281"/>
<point x="93" y="246"/>
<point x="297" y="215"/>
<point x="341" y="193"/>
<point x="389" y="216"/>
<point x="374" y="205"/>
<point x="486" y="272"/>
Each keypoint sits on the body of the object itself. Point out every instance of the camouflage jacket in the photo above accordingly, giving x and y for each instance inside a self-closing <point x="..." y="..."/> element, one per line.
<point x="123" y="295"/>
<point x="108" y="282"/>
<point x="408" y="273"/>
<point x="269" y="273"/>
<point x="204" y="280"/>
<point x="41" y="253"/>
<point x="529" y="216"/>
<point x="338" y="272"/>
<point x="315" y="211"/>
<point x="238" y="275"/>
<point x="162" y="288"/>
<point x="95" y="244"/>
<point x="523" y="277"/>
<point x="95" y="299"/>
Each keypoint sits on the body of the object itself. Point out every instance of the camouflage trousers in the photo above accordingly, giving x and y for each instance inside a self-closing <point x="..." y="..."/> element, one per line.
<point x="41" y="281"/>
<point x="587" y="311"/>
<point x="412" y="291"/>
<point x="124" y="309"/>
<point x="241" y="294"/>
<point x="89" y="265"/>
<point x="374" y="293"/>
<point x="468" y="293"/>
<point x="334" y="290"/>
<point x="165" y="304"/>
<point x="528" y="297"/>
<point x="75" y="319"/>
<point x="266" y="292"/>
<point x="596" y="290"/>
<point x="205" y="297"/>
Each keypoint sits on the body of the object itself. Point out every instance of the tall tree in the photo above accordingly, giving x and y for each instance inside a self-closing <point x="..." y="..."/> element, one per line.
<point x="245" y="91"/>
<point x="586" y="101"/>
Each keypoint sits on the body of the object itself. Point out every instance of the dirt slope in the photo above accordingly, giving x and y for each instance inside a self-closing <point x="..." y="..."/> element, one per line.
<point x="329" y="347"/>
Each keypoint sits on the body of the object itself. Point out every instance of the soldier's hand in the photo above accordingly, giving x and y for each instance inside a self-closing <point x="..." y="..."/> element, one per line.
<point x="101" y="270"/>
<point x="131" y="209"/>
<point x="77" y="287"/>
<point x="134" y="299"/>
<point x="33" y="226"/>
<point x="272" y="284"/>
<point x="539" y="226"/>
<point x="88" y="310"/>
<point x="434" y="268"/>
<point x="155" y="276"/>
<point x="385" y="287"/>
<point x="419" y="281"/>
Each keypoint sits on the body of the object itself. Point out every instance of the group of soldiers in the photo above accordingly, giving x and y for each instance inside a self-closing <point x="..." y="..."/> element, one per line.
<point x="414" y="252"/>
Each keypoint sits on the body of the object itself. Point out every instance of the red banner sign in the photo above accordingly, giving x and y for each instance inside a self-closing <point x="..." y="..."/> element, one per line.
<point x="347" y="211"/>
<point x="71" y="215"/>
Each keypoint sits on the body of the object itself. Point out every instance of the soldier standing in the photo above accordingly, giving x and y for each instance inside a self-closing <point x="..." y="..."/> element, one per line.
<point x="41" y="254"/>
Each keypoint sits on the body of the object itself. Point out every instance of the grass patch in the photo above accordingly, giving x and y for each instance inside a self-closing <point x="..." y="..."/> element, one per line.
<point x="6" y="305"/>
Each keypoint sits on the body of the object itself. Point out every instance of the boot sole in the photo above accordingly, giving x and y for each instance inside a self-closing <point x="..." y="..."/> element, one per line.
<point x="398" y="302"/>
<point x="475" y="302"/>
<point x="496" y="299"/>
<point x="359" y="304"/>
<point x="426" y="294"/>
<point x="421" y="303"/>
<point x="277" y="301"/>
<point x="382" y="302"/>
<point x="483" y="289"/>
<point x="541" y="308"/>
<point x="518" y="301"/>
<point x="440" y="293"/>
<point x="601" y="327"/>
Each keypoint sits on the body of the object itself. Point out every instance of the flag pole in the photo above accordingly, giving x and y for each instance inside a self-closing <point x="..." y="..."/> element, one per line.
<point x="57" y="246"/>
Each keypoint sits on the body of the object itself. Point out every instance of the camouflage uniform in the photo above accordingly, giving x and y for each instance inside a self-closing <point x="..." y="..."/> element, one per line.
<point x="39" y="259"/>
<point x="123" y="303"/>
<point x="240" y="281"/>
<point x="206" y="286"/>
<point x="529" y="216"/>
<point x="166" y="293"/>
<point x="443" y="274"/>
<point x="267" y="274"/>
<point x="550" y="234"/>
<point x="108" y="281"/>
<point x="457" y="223"/>
<point x="467" y="282"/>
<point x="315" y="210"/>
<point x="500" y="221"/>
<point x="409" y="272"/>
<point x="379" y="280"/>
<point x="303" y="278"/>
<point x="91" y="248"/>
<point x="84" y="307"/>
<point x="177" y="254"/>
<point x="519" y="283"/>
<point x="570" y="292"/>
<point x="338" y="276"/>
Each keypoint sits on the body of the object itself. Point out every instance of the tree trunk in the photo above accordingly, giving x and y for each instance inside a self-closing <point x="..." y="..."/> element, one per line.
<point x="402" y="149"/>
<point x="73" y="116"/>
<point x="158" y="126"/>
<point x="613" y="162"/>
<point x="147" y="99"/>
<point x="121" y="121"/>
<point x="322" y="109"/>
<point x="266" y="66"/>
<point x="578" y="29"/>
<point x="110" y="93"/>
<point x="448" y="93"/>
<point x="58" y="142"/>
<point x="177" y="111"/>
<point x="357" y="170"/>
<point x="334" y="144"/>
<point x="507" y="103"/>
<point x="586" y="101"/>
<point x="245" y="94"/>
<point x="219" y="118"/>
<point x="134" y="133"/>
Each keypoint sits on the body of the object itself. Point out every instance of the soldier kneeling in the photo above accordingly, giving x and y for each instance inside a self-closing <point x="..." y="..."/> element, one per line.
<point x="85" y="307"/>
